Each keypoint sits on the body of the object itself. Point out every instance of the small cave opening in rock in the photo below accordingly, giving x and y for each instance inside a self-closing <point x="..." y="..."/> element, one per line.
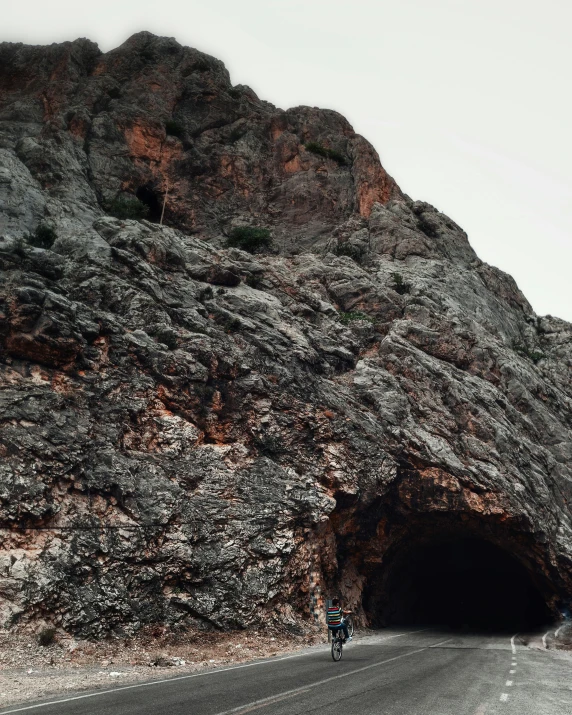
<point x="153" y="200"/>
<point x="458" y="582"/>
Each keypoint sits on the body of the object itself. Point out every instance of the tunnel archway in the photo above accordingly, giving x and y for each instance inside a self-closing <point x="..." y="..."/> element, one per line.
<point x="456" y="581"/>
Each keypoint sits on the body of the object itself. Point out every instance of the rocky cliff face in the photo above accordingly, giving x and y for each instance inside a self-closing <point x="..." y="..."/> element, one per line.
<point x="193" y="434"/>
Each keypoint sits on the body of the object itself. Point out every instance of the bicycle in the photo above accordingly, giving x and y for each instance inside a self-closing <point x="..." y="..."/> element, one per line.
<point x="338" y="640"/>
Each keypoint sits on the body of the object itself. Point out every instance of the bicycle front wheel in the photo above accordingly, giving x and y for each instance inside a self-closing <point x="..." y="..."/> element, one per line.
<point x="337" y="649"/>
<point x="350" y="625"/>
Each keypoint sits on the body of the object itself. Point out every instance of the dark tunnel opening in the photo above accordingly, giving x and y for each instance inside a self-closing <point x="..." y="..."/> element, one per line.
<point x="154" y="201"/>
<point x="459" y="583"/>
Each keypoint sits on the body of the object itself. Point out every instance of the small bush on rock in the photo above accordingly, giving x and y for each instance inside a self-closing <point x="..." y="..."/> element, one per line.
<point x="47" y="636"/>
<point x="399" y="285"/>
<point x="205" y="294"/>
<point x="346" y="318"/>
<point x="128" y="207"/>
<point x="231" y="325"/>
<point x="249" y="238"/>
<point x="253" y="281"/>
<point x="43" y="237"/>
<point x="269" y="445"/>
<point x="320" y="150"/>
<point x="350" y="250"/>
<point x="525" y="351"/>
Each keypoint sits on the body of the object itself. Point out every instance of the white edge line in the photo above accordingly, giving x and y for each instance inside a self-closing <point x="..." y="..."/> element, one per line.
<point x="558" y="631"/>
<point x="544" y="637"/>
<point x="146" y="685"/>
<point x="172" y="680"/>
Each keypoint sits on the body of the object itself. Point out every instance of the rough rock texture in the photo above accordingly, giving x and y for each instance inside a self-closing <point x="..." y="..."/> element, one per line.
<point x="194" y="434"/>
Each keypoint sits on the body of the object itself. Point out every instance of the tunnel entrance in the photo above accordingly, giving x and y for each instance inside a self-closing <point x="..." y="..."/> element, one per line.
<point x="455" y="582"/>
<point x="154" y="201"/>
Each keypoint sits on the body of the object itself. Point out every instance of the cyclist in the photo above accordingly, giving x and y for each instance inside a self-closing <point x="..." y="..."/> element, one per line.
<point x="334" y="616"/>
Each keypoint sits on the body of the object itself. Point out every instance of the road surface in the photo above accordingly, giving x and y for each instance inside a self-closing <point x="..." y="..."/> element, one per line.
<point x="395" y="672"/>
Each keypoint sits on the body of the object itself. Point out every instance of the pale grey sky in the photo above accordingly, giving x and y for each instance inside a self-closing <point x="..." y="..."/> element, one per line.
<point x="467" y="101"/>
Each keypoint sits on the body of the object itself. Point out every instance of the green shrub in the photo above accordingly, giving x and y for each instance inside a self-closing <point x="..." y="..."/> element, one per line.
<point x="525" y="351"/>
<point x="174" y="129"/>
<point x="399" y="285"/>
<point x="249" y="238"/>
<point x="269" y="445"/>
<point x="347" y="318"/>
<point x="349" y="250"/>
<point x="47" y="636"/>
<point x="124" y="207"/>
<point x="320" y="150"/>
<point x="253" y="281"/>
<point x="43" y="237"/>
<point x="205" y="294"/>
<point x="231" y="325"/>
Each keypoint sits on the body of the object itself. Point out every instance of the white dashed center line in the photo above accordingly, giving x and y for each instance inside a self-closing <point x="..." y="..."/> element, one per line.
<point x="504" y="697"/>
<point x="511" y="672"/>
<point x="508" y="683"/>
<point x="512" y="645"/>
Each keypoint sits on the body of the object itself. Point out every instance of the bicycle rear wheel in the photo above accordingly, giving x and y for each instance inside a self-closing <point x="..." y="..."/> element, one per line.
<point x="337" y="648"/>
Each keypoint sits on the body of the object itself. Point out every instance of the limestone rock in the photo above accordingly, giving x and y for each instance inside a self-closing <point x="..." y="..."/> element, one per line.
<point x="190" y="433"/>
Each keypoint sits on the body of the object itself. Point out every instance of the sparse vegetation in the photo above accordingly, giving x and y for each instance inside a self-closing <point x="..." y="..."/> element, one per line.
<point x="349" y="249"/>
<point x="347" y="318"/>
<point x="269" y="445"/>
<point x="231" y="325"/>
<point x="128" y="207"/>
<point x="249" y="238"/>
<point x="525" y="351"/>
<point x="320" y="150"/>
<point x="253" y="280"/>
<point x="47" y="636"/>
<point x="205" y="294"/>
<point x="174" y="129"/>
<point x="399" y="285"/>
<point x="43" y="237"/>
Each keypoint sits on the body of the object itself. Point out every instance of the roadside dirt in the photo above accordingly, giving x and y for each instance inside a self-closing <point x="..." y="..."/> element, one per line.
<point x="30" y="671"/>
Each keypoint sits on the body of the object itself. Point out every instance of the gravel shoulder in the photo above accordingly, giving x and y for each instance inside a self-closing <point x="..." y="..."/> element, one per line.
<point x="30" y="671"/>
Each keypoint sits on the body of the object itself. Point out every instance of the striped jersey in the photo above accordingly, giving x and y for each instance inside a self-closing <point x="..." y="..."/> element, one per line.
<point x="334" y="616"/>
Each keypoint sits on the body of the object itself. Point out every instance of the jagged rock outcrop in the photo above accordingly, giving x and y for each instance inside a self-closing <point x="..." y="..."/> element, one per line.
<point x="191" y="433"/>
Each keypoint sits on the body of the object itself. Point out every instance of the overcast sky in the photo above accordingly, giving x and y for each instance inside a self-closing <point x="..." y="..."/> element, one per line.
<point x="466" y="101"/>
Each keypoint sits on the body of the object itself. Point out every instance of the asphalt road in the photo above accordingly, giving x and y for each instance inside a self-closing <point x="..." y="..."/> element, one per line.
<point x="398" y="672"/>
